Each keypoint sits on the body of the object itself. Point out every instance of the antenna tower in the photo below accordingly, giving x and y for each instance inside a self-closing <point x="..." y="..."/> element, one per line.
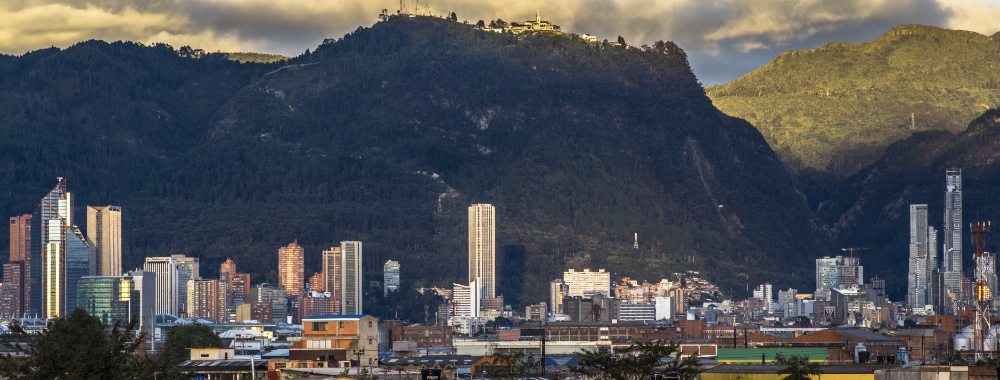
<point x="982" y="293"/>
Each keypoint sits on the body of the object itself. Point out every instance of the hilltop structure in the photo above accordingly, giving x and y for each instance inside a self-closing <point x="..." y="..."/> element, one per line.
<point x="538" y="25"/>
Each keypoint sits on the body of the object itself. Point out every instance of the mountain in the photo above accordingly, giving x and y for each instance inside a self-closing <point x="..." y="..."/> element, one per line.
<point x="871" y="208"/>
<point x="388" y="134"/>
<point x="835" y="108"/>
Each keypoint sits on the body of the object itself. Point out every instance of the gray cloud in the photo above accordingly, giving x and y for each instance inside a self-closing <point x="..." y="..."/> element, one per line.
<point x="724" y="38"/>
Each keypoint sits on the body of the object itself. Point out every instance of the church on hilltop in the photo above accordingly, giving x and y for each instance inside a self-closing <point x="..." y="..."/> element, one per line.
<point x="533" y="26"/>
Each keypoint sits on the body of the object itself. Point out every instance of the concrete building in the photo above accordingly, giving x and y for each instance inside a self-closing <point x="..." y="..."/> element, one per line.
<point x="227" y="269"/>
<point x="12" y="300"/>
<point x="482" y="248"/>
<point x="167" y="284"/>
<point x="583" y="283"/>
<point x="275" y="294"/>
<point x="466" y="299"/>
<point x="917" y="280"/>
<point x="104" y="233"/>
<point x="20" y="251"/>
<point x="664" y="308"/>
<point x="332" y="272"/>
<point x="538" y="25"/>
<point x="238" y="289"/>
<point x="207" y="299"/>
<point x="291" y="269"/>
<point x="764" y="292"/>
<point x="20" y="238"/>
<point x="351" y="290"/>
<point x="953" y="230"/>
<point x="390" y="276"/>
<point x="188" y="268"/>
<point x="557" y="290"/>
<point x="636" y="312"/>
<point x="536" y="312"/>
<point x="316" y="283"/>
<point x="597" y="308"/>
<point x="352" y="337"/>
<point x="838" y="272"/>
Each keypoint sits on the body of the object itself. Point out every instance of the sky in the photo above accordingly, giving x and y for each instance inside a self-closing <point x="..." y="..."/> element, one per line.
<point x="724" y="39"/>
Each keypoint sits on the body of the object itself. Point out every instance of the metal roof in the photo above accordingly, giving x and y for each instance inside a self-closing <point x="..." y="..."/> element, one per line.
<point x="220" y="365"/>
<point x="755" y="355"/>
<point x="865" y="335"/>
<point x="356" y="316"/>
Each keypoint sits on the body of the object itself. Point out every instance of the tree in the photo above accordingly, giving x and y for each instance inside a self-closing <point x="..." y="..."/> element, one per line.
<point x="635" y="362"/>
<point x="621" y="40"/>
<point x="78" y="346"/>
<point x="514" y="364"/>
<point x="501" y="23"/>
<point x="481" y="24"/>
<point x="453" y="17"/>
<point x="181" y="338"/>
<point x="797" y="367"/>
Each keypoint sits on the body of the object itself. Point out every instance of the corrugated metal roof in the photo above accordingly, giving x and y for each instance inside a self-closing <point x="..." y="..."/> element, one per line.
<point x="753" y="355"/>
<point x="356" y="316"/>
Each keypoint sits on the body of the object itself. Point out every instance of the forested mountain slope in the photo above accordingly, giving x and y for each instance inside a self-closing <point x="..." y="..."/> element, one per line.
<point x="836" y="108"/>
<point x="578" y="145"/>
<point x="871" y="208"/>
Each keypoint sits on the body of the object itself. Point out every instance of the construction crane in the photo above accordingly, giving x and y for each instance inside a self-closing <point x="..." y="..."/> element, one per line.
<point x="854" y="249"/>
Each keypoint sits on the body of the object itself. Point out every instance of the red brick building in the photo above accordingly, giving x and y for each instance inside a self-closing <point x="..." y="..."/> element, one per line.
<point x="311" y="306"/>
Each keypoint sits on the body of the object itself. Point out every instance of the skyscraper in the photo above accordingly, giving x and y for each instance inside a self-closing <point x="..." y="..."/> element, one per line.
<point x="953" y="229"/>
<point x="226" y="270"/>
<point x="188" y="268"/>
<point x="16" y="292"/>
<point x="77" y="263"/>
<point x="291" y="269"/>
<point x="167" y="284"/>
<point x="20" y="237"/>
<point x="118" y="298"/>
<point x="838" y="273"/>
<point x="390" y="276"/>
<point x="104" y="233"/>
<point x="48" y="225"/>
<point x="916" y="294"/>
<point x="482" y="248"/>
<point x="239" y="289"/>
<point x="332" y="272"/>
<point x="351" y="293"/>
<point x="207" y="299"/>
<point x="557" y="290"/>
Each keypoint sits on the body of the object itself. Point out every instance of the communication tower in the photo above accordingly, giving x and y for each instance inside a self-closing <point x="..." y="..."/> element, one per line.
<point x="982" y="293"/>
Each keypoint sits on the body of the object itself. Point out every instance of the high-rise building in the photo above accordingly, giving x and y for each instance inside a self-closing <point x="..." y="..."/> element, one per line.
<point x="390" y="274"/>
<point x="917" y="281"/>
<point x="167" y="283"/>
<point x="482" y="247"/>
<point x="953" y="229"/>
<point x="291" y="269"/>
<point x="351" y="291"/>
<point x="586" y="283"/>
<point x="764" y="292"/>
<point x="273" y="293"/>
<point x="77" y="265"/>
<point x="239" y="288"/>
<point x="12" y="295"/>
<point x="838" y="273"/>
<point x="467" y="298"/>
<point x="119" y="298"/>
<point x="47" y="264"/>
<point x="332" y="271"/>
<point x="826" y="274"/>
<point x="20" y="238"/>
<point x="188" y="268"/>
<point x="207" y="299"/>
<point x="557" y="290"/>
<point x="227" y="269"/>
<point x="316" y="283"/>
<point x="318" y="306"/>
<point x="104" y="233"/>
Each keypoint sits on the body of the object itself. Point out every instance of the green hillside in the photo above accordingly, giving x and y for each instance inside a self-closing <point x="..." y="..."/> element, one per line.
<point x="836" y="108"/>
<point x="579" y="146"/>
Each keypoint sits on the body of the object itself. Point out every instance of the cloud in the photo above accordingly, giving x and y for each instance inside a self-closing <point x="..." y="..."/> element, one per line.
<point x="724" y="38"/>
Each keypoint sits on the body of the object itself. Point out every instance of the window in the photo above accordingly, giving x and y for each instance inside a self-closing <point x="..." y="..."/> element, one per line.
<point x="320" y="326"/>
<point x="369" y="323"/>
<point x="204" y="355"/>
<point x="369" y="341"/>
<point x="341" y="325"/>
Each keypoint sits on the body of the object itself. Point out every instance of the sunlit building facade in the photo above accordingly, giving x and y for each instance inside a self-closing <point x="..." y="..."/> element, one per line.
<point x="291" y="269"/>
<point x="482" y="248"/>
<point x="104" y="232"/>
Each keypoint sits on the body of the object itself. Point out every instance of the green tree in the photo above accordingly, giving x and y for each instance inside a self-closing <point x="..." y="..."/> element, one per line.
<point x="181" y="338"/>
<point x="636" y="362"/>
<point x="514" y="364"/>
<point x="78" y="346"/>
<point x="797" y="367"/>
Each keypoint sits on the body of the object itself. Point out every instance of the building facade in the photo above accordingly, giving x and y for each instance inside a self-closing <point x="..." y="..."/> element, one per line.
<point x="332" y="272"/>
<point x="167" y="283"/>
<point x="12" y="300"/>
<point x="355" y="335"/>
<point x="188" y="268"/>
<point x="291" y="268"/>
<point x="584" y="283"/>
<point x="557" y="290"/>
<point x="917" y="294"/>
<point x="482" y="247"/>
<point x="953" y="229"/>
<point x="352" y="276"/>
<point x="226" y="270"/>
<point x="466" y="299"/>
<point x="104" y="233"/>
<point x="119" y="298"/>
<point x="390" y="274"/>
<point x="207" y="299"/>
<point x="275" y="294"/>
